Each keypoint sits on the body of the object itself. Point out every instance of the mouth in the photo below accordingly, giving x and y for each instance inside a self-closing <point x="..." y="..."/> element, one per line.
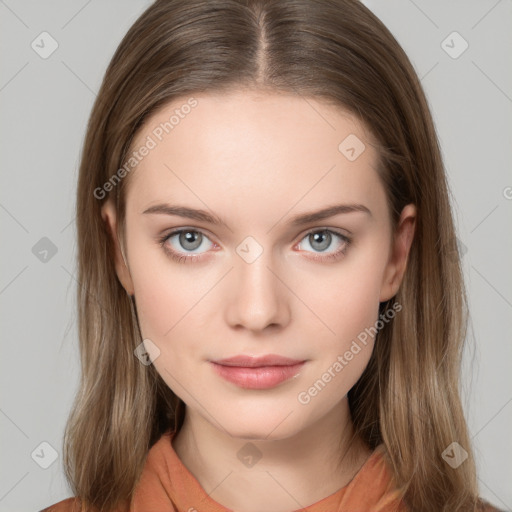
<point x="249" y="361"/>
<point x="257" y="373"/>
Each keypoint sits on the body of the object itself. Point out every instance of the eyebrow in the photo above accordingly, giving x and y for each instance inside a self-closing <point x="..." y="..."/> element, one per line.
<point x="299" y="220"/>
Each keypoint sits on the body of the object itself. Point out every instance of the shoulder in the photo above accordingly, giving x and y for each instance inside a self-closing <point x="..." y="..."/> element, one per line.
<point x="67" y="505"/>
<point x="485" y="506"/>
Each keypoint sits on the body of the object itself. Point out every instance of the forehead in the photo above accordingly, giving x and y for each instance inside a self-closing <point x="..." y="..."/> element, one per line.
<point x="235" y="147"/>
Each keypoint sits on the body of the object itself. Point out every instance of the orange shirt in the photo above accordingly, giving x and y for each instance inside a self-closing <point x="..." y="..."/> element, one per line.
<point x="166" y="485"/>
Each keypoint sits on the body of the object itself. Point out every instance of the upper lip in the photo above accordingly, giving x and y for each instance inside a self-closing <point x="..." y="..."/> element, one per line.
<point x="254" y="362"/>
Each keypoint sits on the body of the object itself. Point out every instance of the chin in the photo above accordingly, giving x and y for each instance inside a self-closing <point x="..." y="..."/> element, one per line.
<point x="272" y="428"/>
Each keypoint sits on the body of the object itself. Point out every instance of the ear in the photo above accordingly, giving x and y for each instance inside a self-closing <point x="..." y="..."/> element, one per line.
<point x="395" y="269"/>
<point x="109" y="216"/>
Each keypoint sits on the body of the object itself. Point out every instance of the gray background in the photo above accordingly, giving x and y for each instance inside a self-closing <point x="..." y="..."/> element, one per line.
<point x="45" y="104"/>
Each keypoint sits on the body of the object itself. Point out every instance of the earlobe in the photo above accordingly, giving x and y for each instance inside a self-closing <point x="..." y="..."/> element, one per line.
<point x="109" y="216"/>
<point x="397" y="264"/>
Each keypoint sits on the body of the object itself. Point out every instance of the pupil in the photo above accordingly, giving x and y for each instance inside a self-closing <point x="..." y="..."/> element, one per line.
<point x="191" y="237"/>
<point x="317" y="238"/>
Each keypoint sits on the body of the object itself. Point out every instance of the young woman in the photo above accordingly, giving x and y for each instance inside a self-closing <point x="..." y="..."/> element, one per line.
<point x="271" y="304"/>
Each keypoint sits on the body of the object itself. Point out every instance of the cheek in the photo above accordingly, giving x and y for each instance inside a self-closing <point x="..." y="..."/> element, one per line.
<point x="356" y="305"/>
<point x="346" y="298"/>
<point x="165" y="301"/>
<point x="347" y="301"/>
<point x="157" y="288"/>
<point x="351" y="315"/>
<point x="169" y="296"/>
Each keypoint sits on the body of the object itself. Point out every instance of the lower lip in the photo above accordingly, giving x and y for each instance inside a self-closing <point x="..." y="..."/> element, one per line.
<point x="263" y="377"/>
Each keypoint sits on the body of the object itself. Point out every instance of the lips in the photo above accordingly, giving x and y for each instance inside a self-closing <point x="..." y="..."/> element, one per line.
<point x="259" y="361"/>
<point x="261" y="372"/>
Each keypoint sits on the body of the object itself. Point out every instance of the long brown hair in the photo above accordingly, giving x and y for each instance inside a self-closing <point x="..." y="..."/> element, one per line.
<point x="335" y="50"/>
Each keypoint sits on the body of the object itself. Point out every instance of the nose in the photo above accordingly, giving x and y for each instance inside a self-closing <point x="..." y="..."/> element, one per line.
<point x="258" y="298"/>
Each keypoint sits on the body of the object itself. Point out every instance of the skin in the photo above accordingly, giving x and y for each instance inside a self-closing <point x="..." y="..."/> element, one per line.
<point x="257" y="159"/>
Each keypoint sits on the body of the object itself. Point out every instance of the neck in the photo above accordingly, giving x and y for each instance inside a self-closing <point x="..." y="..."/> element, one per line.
<point x="272" y="474"/>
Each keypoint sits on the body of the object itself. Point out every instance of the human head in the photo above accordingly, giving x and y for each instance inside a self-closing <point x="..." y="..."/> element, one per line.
<point x="339" y="53"/>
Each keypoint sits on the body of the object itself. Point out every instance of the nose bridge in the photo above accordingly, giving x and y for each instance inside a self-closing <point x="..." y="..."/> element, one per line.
<point x="258" y="298"/>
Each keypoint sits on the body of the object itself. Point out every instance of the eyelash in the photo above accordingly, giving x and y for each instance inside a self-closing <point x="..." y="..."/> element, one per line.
<point x="186" y="259"/>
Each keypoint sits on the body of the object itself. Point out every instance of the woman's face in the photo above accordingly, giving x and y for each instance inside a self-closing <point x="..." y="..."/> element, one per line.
<point x="265" y="279"/>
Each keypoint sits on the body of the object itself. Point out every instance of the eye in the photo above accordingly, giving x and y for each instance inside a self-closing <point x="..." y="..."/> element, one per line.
<point x="321" y="239"/>
<point x="184" y="240"/>
<point x="187" y="242"/>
